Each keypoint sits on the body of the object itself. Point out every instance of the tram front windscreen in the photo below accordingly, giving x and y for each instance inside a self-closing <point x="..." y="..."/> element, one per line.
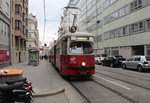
<point x="81" y="48"/>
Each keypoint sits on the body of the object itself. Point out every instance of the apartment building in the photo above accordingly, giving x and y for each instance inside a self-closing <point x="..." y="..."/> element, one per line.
<point x="33" y="33"/>
<point x="4" y="32"/>
<point x="119" y="26"/>
<point x="19" y="30"/>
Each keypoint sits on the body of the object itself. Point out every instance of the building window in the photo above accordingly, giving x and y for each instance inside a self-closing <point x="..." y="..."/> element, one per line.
<point x="23" y="16"/>
<point x="23" y="3"/>
<point x="148" y="24"/>
<point x="0" y="26"/>
<point x="24" y="30"/>
<point x="106" y="4"/>
<point x="3" y="28"/>
<point x="12" y="23"/>
<point x="134" y="27"/>
<point x="136" y="4"/>
<point x="18" y="9"/>
<point x="125" y="30"/>
<point x="116" y="33"/>
<point x="7" y="9"/>
<point x="12" y="7"/>
<point x="119" y="13"/>
<point x="112" y="34"/>
<point x="29" y="36"/>
<point x="30" y="44"/>
<point x="0" y="3"/>
<point x="139" y="26"/>
<point x="26" y="10"/>
<point x="18" y="25"/>
<point x="26" y="21"/>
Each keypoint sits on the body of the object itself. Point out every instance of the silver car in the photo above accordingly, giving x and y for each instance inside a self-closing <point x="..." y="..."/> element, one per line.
<point x="137" y="62"/>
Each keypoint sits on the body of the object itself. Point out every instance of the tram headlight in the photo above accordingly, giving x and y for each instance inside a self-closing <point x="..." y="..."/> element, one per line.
<point x="83" y="64"/>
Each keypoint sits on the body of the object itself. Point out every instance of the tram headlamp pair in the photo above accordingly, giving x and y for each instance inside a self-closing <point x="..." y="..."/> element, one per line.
<point x="83" y="64"/>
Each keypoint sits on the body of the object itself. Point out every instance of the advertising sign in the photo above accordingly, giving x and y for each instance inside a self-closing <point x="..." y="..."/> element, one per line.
<point x="4" y="56"/>
<point x="33" y="57"/>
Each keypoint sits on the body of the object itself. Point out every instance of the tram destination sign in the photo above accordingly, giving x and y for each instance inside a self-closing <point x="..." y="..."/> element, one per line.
<point x="82" y="38"/>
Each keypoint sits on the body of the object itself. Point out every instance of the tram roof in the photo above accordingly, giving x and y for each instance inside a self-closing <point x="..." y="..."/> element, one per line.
<point x="76" y="34"/>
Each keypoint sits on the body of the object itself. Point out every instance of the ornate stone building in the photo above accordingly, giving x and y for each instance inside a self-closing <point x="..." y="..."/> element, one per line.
<point x="19" y="30"/>
<point x="33" y="33"/>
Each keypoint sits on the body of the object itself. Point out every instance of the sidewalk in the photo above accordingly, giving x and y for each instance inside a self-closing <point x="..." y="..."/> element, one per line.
<point x="46" y="80"/>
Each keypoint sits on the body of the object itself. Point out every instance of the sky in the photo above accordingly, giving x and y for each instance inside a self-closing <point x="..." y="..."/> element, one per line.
<point x="54" y="11"/>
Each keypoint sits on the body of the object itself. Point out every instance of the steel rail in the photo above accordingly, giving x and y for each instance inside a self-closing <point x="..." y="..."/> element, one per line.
<point x="116" y="92"/>
<point x="88" y="100"/>
<point x="125" y="81"/>
<point x="128" y="75"/>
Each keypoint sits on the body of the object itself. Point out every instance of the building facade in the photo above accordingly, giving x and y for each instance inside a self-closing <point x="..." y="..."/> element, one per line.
<point x="4" y="33"/>
<point x="119" y="26"/>
<point x="33" y="33"/>
<point x="67" y="20"/>
<point x="19" y="30"/>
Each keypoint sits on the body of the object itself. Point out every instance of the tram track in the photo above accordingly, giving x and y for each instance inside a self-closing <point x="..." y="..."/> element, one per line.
<point x="128" y="75"/>
<point x="125" y="81"/>
<point x="106" y="87"/>
<point x="82" y="94"/>
<point x="117" y="92"/>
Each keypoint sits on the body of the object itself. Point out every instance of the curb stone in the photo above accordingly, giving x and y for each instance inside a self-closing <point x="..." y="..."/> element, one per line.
<point x="55" y="92"/>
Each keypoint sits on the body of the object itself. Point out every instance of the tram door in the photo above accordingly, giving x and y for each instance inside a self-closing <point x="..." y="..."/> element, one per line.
<point x="64" y="56"/>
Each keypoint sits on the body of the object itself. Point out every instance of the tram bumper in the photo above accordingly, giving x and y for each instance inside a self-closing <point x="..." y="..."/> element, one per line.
<point x="81" y="71"/>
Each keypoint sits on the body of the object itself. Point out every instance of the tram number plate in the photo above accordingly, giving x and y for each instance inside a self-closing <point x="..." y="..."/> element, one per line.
<point x="83" y="73"/>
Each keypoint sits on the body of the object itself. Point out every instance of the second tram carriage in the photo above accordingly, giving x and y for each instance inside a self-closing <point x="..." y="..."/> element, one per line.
<point x="73" y="54"/>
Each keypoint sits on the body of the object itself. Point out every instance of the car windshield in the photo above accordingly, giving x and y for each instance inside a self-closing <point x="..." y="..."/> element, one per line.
<point x="104" y="55"/>
<point x="81" y="48"/>
<point x="97" y="55"/>
<point x="118" y="57"/>
<point x="148" y="58"/>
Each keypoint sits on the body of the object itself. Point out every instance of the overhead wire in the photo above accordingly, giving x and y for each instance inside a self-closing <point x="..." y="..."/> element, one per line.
<point x="44" y="20"/>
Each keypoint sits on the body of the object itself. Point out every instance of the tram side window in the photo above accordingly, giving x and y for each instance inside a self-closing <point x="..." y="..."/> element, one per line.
<point x="81" y="48"/>
<point x="64" y="48"/>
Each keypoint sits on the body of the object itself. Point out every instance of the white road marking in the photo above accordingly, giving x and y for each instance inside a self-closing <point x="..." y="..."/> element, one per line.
<point x="113" y="82"/>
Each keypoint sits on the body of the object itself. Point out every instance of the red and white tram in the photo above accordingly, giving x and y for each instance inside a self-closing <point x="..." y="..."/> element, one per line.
<point x="73" y="54"/>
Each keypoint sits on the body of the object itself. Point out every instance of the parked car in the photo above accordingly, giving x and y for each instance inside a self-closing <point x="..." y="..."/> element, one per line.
<point x="113" y="60"/>
<point x="99" y="58"/>
<point x="137" y="62"/>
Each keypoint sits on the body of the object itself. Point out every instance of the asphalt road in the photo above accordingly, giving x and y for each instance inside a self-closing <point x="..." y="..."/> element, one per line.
<point x="115" y="85"/>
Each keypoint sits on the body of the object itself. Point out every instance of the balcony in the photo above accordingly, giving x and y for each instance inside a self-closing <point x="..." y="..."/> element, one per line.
<point x="18" y="2"/>
<point x="18" y="17"/>
<point x="24" y="37"/>
<point x="18" y="33"/>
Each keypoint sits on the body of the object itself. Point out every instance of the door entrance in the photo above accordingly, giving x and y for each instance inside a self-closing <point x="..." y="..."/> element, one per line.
<point x="138" y="50"/>
<point x="19" y="57"/>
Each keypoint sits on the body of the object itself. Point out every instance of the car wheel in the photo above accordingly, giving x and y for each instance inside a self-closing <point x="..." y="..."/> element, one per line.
<point x="140" y="68"/>
<point x="123" y="66"/>
<point x="102" y="64"/>
<point x="98" y="62"/>
<point x="112" y="65"/>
